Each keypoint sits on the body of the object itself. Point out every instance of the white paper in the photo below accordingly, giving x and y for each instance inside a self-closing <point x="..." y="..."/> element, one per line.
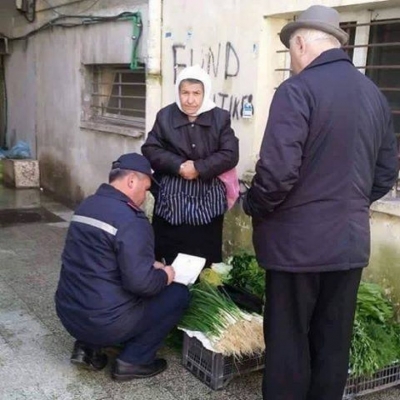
<point x="187" y="268"/>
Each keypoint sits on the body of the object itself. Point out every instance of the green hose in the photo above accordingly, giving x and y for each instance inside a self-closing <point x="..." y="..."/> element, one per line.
<point x="137" y="32"/>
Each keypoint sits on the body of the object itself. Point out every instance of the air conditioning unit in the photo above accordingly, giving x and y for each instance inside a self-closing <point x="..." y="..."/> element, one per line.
<point x="4" y="49"/>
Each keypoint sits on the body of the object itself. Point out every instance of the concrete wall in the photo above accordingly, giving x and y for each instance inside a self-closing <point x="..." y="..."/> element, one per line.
<point x="8" y="15"/>
<point x="225" y="38"/>
<point x="236" y="41"/>
<point x="384" y="267"/>
<point x="46" y="90"/>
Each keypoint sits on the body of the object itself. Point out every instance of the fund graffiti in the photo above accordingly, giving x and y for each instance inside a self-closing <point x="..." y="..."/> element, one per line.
<point x="210" y="60"/>
<point x="221" y="62"/>
<point x="234" y="104"/>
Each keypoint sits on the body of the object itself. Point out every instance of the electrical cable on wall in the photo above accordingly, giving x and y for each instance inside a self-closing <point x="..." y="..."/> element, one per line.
<point x="90" y="19"/>
<point x="85" y="20"/>
<point x="59" y="21"/>
<point x="137" y="33"/>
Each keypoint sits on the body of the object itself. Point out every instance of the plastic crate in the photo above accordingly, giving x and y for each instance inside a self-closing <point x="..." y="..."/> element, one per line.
<point x="214" y="369"/>
<point x="383" y="379"/>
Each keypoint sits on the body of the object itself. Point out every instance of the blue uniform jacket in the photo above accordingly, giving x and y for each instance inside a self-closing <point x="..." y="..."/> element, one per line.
<point x="328" y="152"/>
<point x="107" y="267"/>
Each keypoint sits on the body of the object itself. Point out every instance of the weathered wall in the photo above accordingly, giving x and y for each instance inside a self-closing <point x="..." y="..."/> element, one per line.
<point x="384" y="267"/>
<point x="224" y="38"/>
<point x="46" y="83"/>
<point x="235" y="41"/>
<point x="8" y="14"/>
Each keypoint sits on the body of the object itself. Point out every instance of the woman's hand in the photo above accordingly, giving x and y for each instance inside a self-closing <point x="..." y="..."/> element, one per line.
<point x="188" y="170"/>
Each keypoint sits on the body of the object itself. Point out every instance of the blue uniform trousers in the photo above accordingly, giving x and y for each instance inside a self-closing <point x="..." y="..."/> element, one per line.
<point x="161" y="314"/>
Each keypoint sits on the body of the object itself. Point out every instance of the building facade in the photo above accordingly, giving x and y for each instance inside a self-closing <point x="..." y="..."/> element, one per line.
<point x="86" y="78"/>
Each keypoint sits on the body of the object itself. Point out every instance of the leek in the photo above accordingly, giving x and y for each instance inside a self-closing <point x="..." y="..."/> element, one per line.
<point x="231" y="330"/>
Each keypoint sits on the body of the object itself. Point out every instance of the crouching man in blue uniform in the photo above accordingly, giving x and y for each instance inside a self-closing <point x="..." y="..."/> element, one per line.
<point x="111" y="289"/>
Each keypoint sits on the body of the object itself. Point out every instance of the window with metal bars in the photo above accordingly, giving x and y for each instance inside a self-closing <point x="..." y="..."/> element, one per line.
<point x="118" y="95"/>
<point x="383" y="63"/>
<point x="379" y="59"/>
<point x="382" y="59"/>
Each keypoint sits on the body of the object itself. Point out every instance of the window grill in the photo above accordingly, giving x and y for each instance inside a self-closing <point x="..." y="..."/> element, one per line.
<point x="381" y="57"/>
<point x="119" y="95"/>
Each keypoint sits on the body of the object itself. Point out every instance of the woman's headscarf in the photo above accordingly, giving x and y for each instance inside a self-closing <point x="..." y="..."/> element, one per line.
<point x="196" y="72"/>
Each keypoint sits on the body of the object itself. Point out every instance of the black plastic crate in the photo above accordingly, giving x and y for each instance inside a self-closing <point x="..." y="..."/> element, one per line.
<point x="243" y="298"/>
<point x="383" y="379"/>
<point x="214" y="369"/>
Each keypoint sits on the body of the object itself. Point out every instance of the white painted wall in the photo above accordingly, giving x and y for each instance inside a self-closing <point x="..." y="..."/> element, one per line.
<point x="205" y="32"/>
<point x="224" y="38"/>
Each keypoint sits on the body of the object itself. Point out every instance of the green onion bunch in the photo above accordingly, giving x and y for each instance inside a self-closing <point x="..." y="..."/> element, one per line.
<point x="230" y="330"/>
<point x="376" y="334"/>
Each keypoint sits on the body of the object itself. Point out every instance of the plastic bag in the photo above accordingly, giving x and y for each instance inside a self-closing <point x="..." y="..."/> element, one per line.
<point x="231" y="182"/>
<point x="20" y="150"/>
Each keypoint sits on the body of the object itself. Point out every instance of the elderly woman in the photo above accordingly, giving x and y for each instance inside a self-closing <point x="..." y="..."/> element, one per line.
<point x="190" y="145"/>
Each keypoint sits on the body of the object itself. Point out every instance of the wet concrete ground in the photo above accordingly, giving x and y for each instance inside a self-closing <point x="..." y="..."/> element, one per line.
<point x="35" y="349"/>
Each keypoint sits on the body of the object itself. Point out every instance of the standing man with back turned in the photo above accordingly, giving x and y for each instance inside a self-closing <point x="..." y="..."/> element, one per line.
<point x="328" y="152"/>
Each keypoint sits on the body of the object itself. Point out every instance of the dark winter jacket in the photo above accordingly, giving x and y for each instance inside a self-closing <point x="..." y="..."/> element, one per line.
<point x="107" y="267"/>
<point x="209" y="141"/>
<point x="328" y="152"/>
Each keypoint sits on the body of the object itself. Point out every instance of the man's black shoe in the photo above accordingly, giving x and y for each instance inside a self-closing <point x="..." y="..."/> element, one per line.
<point x="88" y="358"/>
<point x="124" y="371"/>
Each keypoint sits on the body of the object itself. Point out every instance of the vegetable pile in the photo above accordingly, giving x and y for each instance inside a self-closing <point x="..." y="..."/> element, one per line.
<point x="246" y="274"/>
<point x="376" y="334"/>
<point x="230" y="330"/>
<point x="210" y="276"/>
<point x="233" y="331"/>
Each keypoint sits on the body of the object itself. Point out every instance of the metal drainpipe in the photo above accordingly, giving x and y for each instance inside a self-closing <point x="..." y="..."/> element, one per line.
<point x="154" y="54"/>
<point x="3" y="103"/>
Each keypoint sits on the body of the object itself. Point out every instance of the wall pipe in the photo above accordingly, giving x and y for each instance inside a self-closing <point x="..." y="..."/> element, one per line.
<point x="153" y="62"/>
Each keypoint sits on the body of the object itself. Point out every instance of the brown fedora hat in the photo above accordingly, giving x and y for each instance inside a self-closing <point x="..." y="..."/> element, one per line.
<point x="321" y="18"/>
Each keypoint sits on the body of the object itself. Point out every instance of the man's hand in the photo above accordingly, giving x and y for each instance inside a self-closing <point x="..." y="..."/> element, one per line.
<point x="170" y="272"/>
<point x="188" y="170"/>
<point x="158" y="265"/>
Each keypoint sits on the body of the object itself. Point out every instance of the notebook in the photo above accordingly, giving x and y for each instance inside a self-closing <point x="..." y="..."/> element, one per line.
<point x="187" y="268"/>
